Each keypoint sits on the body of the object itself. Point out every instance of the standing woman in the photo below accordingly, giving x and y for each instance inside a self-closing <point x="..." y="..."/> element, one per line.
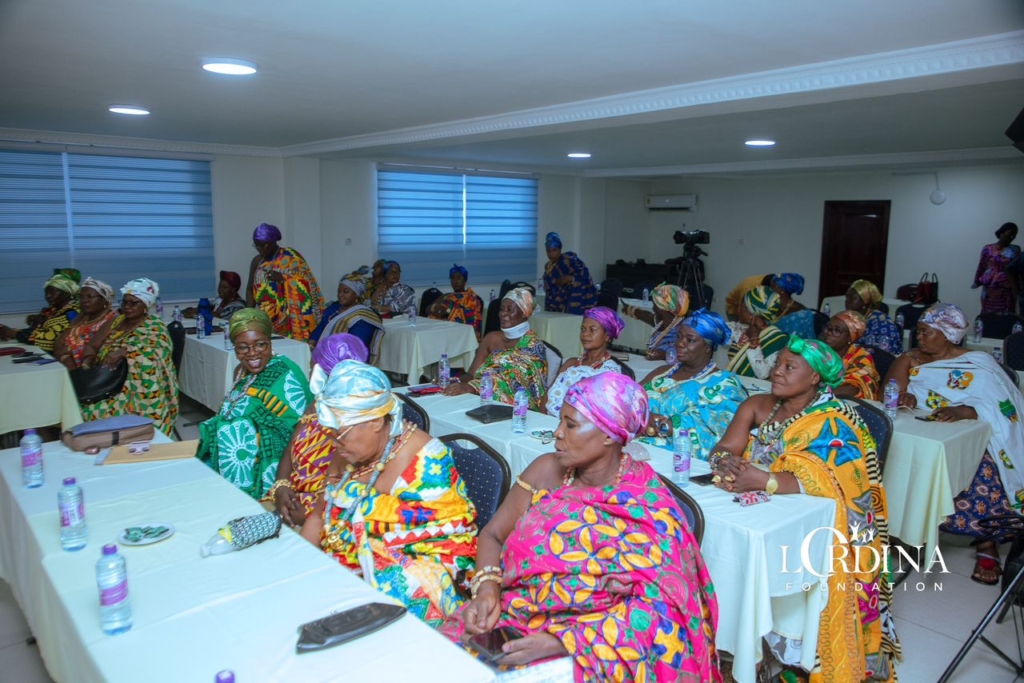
<point x="94" y="298"/>
<point x="756" y="340"/>
<point x="670" y="306"/>
<point x="600" y="327"/>
<point x="568" y="287"/>
<point x="281" y="283"/>
<point x="997" y="289"/>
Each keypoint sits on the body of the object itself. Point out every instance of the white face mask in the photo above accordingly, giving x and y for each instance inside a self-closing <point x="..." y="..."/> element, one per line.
<point x="517" y="331"/>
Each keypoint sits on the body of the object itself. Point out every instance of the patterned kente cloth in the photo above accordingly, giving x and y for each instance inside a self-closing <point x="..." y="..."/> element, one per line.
<point x="311" y="454"/>
<point x="294" y="305"/>
<point x="244" y="441"/>
<point x="463" y="307"/>
<point x="616" y="575"/>
<point x="76" y="337"/>
<point x="412" y="541"/>
<point x="572" y="298"/>
<point x="359" y="320"/>
<point x="771" y="342"/>
<point x="151" y="389"/>
<point x="882" y="333"/>
<point x="830" y="451"/>
<point x="859" y="372"/>
<point x="524" y="365"/>
<point x="55" y="321"/>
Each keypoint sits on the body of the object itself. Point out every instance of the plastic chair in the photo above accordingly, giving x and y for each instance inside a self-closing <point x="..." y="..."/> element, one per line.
<point x="880" y="426"/>
<point x="1013" y="350"/>
<point x="554" y="363"/>
<point x="883" y="360"/>
<point x="608" y="300"/>
<point x="485" y="472"/>
<point x="999" y="325"/>
<point x="910" y="313"/>
<point x="691" y="510"/>
<point x="612" y="286"/>
<point x="427" y="300"/>
<point x="414" y="413"/>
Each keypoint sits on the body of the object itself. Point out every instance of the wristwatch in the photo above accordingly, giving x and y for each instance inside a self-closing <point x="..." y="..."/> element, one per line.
<point x="772" y="485"/>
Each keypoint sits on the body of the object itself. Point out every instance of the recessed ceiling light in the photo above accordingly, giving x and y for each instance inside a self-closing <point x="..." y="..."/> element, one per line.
<point x="579" y="155"/>
<point x="760" y="143"/>
<point x="129" y="109"/>
<point x="229" y="67"/>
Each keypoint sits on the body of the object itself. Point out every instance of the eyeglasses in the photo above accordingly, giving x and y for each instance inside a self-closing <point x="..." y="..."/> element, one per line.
<point x="259" y="346"/>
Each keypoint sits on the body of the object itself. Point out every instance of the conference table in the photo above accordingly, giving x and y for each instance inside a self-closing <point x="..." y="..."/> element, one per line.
<point x="33" y="396"/>
<point x="636" y="333"/>
<point x="561" y="330"/>
<point x="410" y="349"/>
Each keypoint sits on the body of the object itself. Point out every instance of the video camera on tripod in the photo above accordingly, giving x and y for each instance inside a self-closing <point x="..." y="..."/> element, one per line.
<point x="690" y="240"/>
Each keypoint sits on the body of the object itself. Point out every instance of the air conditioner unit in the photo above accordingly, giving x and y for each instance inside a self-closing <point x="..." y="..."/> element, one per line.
<point x="671" y="202"/>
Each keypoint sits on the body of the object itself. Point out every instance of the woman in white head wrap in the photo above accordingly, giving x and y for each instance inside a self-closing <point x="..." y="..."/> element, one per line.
<point x="95" y="298"/>
<point x="349" y="315"/>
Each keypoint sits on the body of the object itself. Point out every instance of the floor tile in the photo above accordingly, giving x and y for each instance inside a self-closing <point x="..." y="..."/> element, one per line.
<point x="22" y="663"/>
<point x="952" y="611"/>
<point x="13" y="628"/>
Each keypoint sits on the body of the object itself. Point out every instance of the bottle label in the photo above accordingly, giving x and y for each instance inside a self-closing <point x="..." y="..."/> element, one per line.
<point x="681" y="463"/>
<point x="521" y="408"/>
<point x="31" y="458"/>
<point x="115" y="594"/>
<point x="71" y="515"/>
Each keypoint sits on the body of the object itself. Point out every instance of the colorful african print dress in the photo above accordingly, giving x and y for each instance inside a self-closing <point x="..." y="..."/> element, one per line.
<point x="860" y="373"/>
<point x="800" y="323"/>
<point x="465" y="308"/>
<point x="55" y="321"/>
<point x="524" y="365"/>
<point x="151" y="389"/>
<point x="832" y="454"/>
<point x="411" y="542"/>
<point x="311" y="454"/>
<point x="749" y="362"/>
<point x="76" y="337"/>
<point x="704" y="405"/>
<point x="996" y="293"/>
<point x="244" y="441"/>
<point x="566" y="378"/>
<point x="294" y="305"/>
<point x="976" y="380"/>
<point x="576" y="297"/>
<point x="362" y="321"/>
<point x="616" y="575"/>
<point x="882" y="333"/>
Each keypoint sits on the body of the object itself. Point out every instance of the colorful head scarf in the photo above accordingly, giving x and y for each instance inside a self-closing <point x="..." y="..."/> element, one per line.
<point x="673" y="299"/>
<point x="355" y="393"/>
<point x="456" y="268"/>
<point x="522" y="298"/>
<point x="249" y="319"/>
<point x="855" y="322"/>
<point x="100" y="287"/>
<point x="613" y="402"/>
<point x="867" y="291"/>
<point x="63" y="283"/>
<point x="606" y="318"/>
<point x="552" y="241"/>
<point x="232" y="278"/>
<point x="265" y="232"/>
<point x="791" y="283"/>
<point x="947" y="319"/>
<point x="332" y="349"/>
<point x="763" y="302"/>
<point x="356" y="283"/>
<point x="143" y="289"/>
<point x="73" y="273"/>
<point x="710" y="326"/>
<point x="820" y="356"/>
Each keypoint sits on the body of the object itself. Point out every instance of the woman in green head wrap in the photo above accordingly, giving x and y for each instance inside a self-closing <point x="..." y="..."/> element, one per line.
<point x="246" y="438"/>
<point x="756" y="341"/>
<point x="61" y="292"/>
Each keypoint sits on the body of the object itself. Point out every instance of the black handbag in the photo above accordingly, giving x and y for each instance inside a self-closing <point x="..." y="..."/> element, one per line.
<point x="490" y="413"/>
<point x="99" y="382"/>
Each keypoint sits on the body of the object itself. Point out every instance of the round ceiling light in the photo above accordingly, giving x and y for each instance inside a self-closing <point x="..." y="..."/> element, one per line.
<point x="128" y="109"/>
<point x="760" y="143"/>
<point x="578" y="155"/>
<point x="229" y="67"/>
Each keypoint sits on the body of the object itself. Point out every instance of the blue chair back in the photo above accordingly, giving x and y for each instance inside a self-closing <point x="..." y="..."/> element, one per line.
<point x="883" y="360"/>
<point x="691" y="509"/>
<point x="485" y="472"/>
<point x="1013" y="350"/>
<point x="880" y="426"/>
<point x="413" y="412"/>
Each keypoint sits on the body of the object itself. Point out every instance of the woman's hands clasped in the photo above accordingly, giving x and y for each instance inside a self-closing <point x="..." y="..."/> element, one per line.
<point x="736" y="475"/>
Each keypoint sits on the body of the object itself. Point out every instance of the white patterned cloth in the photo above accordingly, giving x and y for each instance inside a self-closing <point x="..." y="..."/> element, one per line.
<point x="565" y="379"/>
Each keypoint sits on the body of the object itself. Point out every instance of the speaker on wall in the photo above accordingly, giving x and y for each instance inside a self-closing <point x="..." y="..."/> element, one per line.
<point x="1016" y="131"/>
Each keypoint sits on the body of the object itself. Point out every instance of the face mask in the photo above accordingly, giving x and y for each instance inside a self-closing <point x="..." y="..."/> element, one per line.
<point x="517" y="331"/>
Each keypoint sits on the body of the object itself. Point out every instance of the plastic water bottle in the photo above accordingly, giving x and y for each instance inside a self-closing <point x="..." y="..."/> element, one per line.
<point x="899" y="321"/>
<point x="646" y="295"/>
<point x="412" y="316"/>
<point x="997" y="353"/>
<point x="159" y="308"/>
<point x="493" y="296"/>
<point x="520" y="406"/>
<point x="979" y="331"/>
<point x="228" y="346"/>
<point x="891" y="399"/>
<point x="112" y="580"/>
<point x="71" y="506"/>
<point x="827" y="309"/>
<point x="444" y="372"/>
<point x="225" y="676"/>
<point x="486" y="389"/>
<point x="681" y="456"/>
<point x="31" y="459"/>
<point x="176" y="314"/>
<point x="200" y="326"/>
<point x="670" y="355"/>
<point x="1017" y="327"/>
<point x="217" y="545"/>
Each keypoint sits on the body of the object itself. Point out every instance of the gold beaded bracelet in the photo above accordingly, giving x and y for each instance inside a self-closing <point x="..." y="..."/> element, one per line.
<point x="478" y="580"/>
<point x="273" y="489"/>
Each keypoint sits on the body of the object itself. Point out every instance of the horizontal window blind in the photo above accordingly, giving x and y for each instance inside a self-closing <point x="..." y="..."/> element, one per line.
<point x="501" y="228"/>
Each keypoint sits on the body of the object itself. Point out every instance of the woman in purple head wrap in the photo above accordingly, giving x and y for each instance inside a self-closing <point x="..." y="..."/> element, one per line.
<point x="599" y="327"/>
<point x="282" y="285"/>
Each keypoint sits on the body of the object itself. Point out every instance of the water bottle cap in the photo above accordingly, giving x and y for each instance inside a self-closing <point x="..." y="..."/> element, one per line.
<point x="110" y="549"/>
<point x="29" y="431"/>
<point x="225" y="676"/>
<point x="69" y="481"/>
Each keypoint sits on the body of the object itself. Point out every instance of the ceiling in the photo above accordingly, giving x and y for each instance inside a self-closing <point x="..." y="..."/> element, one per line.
<point x="649" y="88"/>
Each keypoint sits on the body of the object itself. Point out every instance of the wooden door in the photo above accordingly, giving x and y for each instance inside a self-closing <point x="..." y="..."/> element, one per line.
<point x="853" y="246"/>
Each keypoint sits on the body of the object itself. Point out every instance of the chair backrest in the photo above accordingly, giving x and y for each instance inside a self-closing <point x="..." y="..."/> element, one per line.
<point x="612" y="286"/>
<point x="1013" y="351"/>
<point x="413" y="412"/>
<point x="880" y="426"/>
<point x="910" y="313"/>
<point x="1011" y="373"/>
<point x="485" y="472"/>
<point x="608" y="299"/>
<point x="820" y="320"/>
<point x="427" y="300"/>
<point x="554" y="363"/>
<point x="638" y="288"/>
<point x="883" y="360"/>
<point x="883" y="307"/>
<point x="491" y="321"/>
<point x="999" y="325"/>
<point x="177" y="333"/>
<point x="691" y="510"/>
<point x="627" y="371"/>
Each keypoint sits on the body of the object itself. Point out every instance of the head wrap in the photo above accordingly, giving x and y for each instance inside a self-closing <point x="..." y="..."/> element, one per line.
<point x="356" y="283"/>
<point x="947" y="319"/>
<point x="365" y="271"/>
<point x="1006" y="226"/>
<point x="855" y="322"/>
<point x="265" y="232"/>
<point x="522" y="298"/>
<point x="332" y="349"/>
<point x="671" y="298"/>
<point x="143" y="289"/>
<point x="867" y="291"/>
<point x="820" y="356"/>
<point x="100" y="287"/>
<point x="606" y="318"/>
<point x="248" y="319"/>
<point x="791" y="283"/>
<point x="63" y="283"/>
<point x="552" y="241"/>
<point x="710" y="326"/>
<point x="232" y="278"/>
<point x="763" y="302"/>
<point x="76" y="275"/>
<point x="355" y="393"/>
<point x="613" y="402"/>
<point x="456" y="268"/>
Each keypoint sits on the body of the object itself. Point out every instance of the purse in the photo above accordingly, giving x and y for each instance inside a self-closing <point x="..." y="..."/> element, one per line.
<point x="110" y="431"/>
<point x="345" y="626"/>
<point x="99" y="382"/>
<point x="907" y="292"/>
<point x="927" y="291"/>
<point x="490" y="413"/>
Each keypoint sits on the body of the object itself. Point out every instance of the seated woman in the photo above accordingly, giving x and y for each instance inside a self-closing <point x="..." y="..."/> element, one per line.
<point x="514" y="357"/>
<point x="61" y="292"/>
<point x="376" y="279"/>
<point x="282" y="284"/>
<point x="694" y="394"/>
<point x="396" y="297"/>
<point x="94" y="300"/>
<point x="860" y="378"/>
<point x="300" y="473"/>
<point x="350" y="316"/>
<point x="599" y="328"/>
<point x="228" y="302"/>
<point x="670" y="306"/>
<point x="461" y="305"/>
<point x="794" y="317"/>
<point x="756" y="341"/>
<point x="590" y="557"/>
<point x="958" y="384"/>
<point x="395" y="510"/>
<point x="881" y="333"/>
<point x="244" y="441"/>
<point x="151" y="389"/>
<point x="568" y="287"/>
<point x="801" y="439"/>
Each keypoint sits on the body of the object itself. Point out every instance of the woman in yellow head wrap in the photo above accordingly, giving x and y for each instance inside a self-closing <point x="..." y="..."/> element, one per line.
<point x="61" y="293"/>
<point x="880" y="332"/>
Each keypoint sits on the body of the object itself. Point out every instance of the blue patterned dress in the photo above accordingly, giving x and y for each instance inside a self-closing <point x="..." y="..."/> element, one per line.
<point x="882" y="333"/>
<point x="573" y="298"/>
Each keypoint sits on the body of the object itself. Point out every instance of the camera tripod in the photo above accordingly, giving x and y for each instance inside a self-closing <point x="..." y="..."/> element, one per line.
<point x="691" y="276"/>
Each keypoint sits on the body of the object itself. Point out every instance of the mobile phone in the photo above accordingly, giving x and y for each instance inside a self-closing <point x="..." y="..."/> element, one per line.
<point x="26" y="359"/>
<point x="44" y="361"/>
<point x="930" y="417"/>
<point x="703" y="479"/>
<point x="489" y="644"/>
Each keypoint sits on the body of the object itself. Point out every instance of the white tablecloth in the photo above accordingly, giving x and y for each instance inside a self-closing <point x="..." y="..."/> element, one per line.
<point x="562" y="330"/>
<point x="409" y="350"/>
<point x="636" y="333"/>
<point x="34" y="396"/>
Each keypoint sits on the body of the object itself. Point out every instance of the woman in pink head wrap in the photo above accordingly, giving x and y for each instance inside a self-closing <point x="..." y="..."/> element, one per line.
<point x="590" y="558"/>
<point x="282" y="285"/>
<point x="599" y="328"/>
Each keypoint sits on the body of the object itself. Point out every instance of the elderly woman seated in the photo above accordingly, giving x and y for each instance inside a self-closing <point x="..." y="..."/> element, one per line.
<point x="513" y="357"/>
<point x="670" y="305"/>
<point x="61" y="292"/>
<point x="349" y="315"/>
<point x="794" y="317"/>
<point x="246" y="438"/>
<point x="881" y="333"/>
<point x="590" y="557"/>
<point x="756" y="341"/>
<point x="395" y="297"/>
<point x="694" y="394"/>
<point x="860" y="378"/>
<point x="461" y="305"/>
<point x="395" y="510"/>
<point x="957" y="384"/>
<point x="801" y="439"/>
<point x="599" y="328"/>
<point x="94" y="298"/>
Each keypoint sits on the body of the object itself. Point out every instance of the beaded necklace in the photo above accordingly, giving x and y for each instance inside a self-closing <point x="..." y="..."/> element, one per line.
<point x="769" y="436"/>
<point x="596" y="365"/>
<point x="708" y="369"/>
<point x="236" y="395"/>
<point x="570" y="474"/>
<point x="392" y="448"/>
